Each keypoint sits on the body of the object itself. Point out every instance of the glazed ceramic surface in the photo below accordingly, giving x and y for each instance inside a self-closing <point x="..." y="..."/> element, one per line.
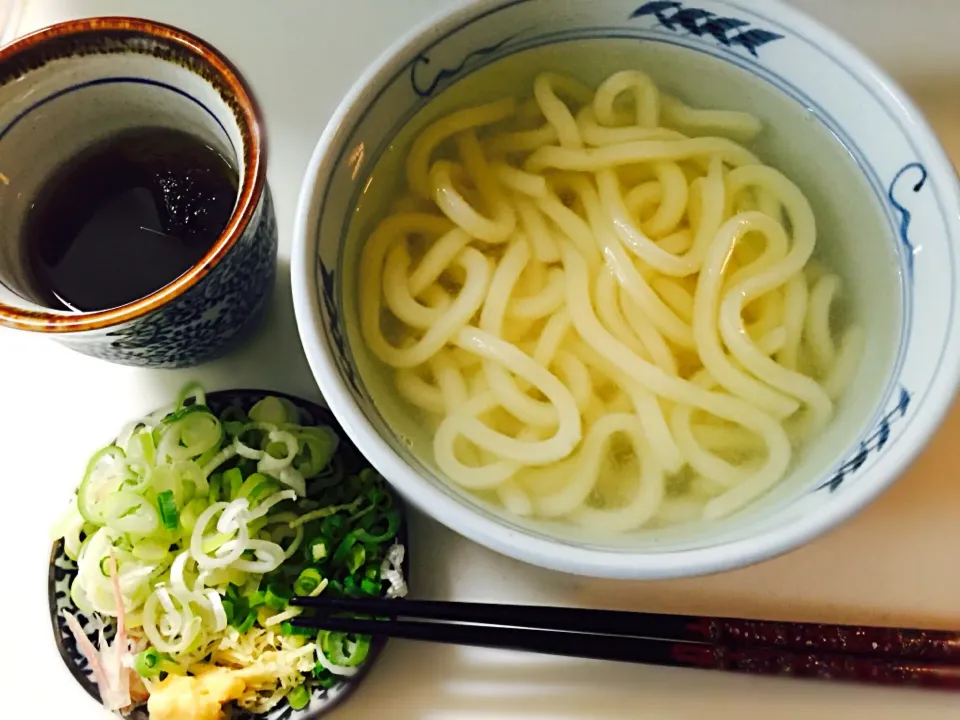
<point x="66" y="88"/>
<point x="885" y="195"/>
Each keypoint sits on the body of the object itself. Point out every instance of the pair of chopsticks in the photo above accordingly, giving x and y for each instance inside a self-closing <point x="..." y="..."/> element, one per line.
<point x="890" y="656"/>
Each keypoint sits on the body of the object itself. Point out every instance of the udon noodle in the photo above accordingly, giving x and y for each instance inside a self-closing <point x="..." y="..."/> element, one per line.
<point x="605" y="305"/>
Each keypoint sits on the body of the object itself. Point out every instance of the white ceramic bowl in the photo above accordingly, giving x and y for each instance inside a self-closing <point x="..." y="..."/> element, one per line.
<point x="888" y="212"/>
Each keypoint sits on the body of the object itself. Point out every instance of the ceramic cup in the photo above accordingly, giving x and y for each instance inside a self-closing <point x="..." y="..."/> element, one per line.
<point x="69" y="86"/>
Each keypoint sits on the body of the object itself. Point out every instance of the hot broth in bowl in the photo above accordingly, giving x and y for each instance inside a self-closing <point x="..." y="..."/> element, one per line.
<point x="630" y="303"/>
<point x="690" y="331"/>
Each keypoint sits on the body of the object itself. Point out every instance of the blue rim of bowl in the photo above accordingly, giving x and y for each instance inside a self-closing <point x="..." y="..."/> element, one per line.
<point x="66" y="645"/>
<point x="311" y="311"/>
<point x="778" y="83"/>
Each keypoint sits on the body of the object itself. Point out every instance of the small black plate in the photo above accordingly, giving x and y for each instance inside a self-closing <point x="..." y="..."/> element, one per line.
<point x="63" y="571"/>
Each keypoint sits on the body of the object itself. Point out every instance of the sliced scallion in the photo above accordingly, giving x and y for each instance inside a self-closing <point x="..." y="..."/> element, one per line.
<point x="149" y="663"/>
<point x="299" y="697"/>
<point x="392" y="518"/>
<point x="270" y="410"/>
<point x="209" y="540"/>
<point x="308" y="581"/>
<point x="105" y="473"/>
<point x="128" y="512"/>
<point x="248" y="622"/>
<point x="276" y="598"/>
<point x="232" y="480"/>
<point x="168" y="510"/>
<point x="316" y="550"/>
<point x="288" y="628"/>
<point x="355" y="558"/>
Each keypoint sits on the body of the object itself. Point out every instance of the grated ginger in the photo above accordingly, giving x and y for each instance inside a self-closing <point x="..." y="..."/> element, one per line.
<point x="201" y="697"/>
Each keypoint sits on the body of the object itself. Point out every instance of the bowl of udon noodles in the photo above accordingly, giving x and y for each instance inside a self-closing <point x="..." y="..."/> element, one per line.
<point x="631" y="289"/>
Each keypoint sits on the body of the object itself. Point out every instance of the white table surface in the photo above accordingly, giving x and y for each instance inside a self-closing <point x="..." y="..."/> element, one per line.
<point x="895" y="563"/>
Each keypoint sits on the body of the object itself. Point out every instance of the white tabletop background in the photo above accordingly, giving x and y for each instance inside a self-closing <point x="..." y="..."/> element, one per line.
<point x="895" y="563"/>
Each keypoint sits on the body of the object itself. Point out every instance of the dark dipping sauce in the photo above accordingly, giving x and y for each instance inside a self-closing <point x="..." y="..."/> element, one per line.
<point x="126" y="217"/>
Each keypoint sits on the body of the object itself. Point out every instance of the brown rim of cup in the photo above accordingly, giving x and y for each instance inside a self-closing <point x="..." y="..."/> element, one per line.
<point x="251" y="185"/>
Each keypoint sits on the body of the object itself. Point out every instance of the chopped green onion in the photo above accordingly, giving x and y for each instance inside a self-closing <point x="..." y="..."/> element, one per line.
<point x="329" y="477"/>
<point x="205" y="459"/>
<point x="152" y="551"/>
<point x="317" y="447"/>
<point x="255" y="526"/>
<point x="105" y="563"/>
<point x="233" y="428"/>
<point x="147" y="663"/>
<point x="232" y="480"/>
<point x="150" y="663"/>
<point x="189" y="491"/>
<point x="250" y="484"/>
<point x="393" y="524"/>
<point x="380" y="499"/>
<point x="265" y="489"/>
<point x="143" y="497"/>
<point x="193" y="434"/>
<point x="343" y="550"/>
<point x="239" y="611"/>
<point x="193" y="390"/>
<point x="299" y="697"/>
<point x="168" y="510"/>
<point x="233" y="420"/>
<point x="249" y="443"/>
<point x="332" y="526"/>
<point x="183" y="412"/>
<point x="277" y="450"/>
<point x="215" y="542"/>
<point x="128" y="512"/>
<point x="350" y="587"/>
<point x="171" y="477"/>
<point x="193" y="510"/>
<point x="340" y="651"/>
<point x="308" y="581"/>
<point x="356" y="558"/>
<point x="316" y="550"/>
<point x="95" y="486"/>
<point x="324" y="677"/>
<point x="288" y="628"/>
<point x="233" y="413"/>
<point x="214" y="494"/>
<point x="248" y="623"/>
<point x="228" y="610"/>
<point x="275" y="597"/>
<point x="271" y="410"/>
<point x="328" y="513"/>
<point x="148" y="449"/>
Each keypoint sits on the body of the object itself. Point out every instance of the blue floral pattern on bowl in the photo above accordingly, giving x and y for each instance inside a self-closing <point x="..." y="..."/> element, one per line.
<point x="729" y="31"/>
<point x="904" y="175"/>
